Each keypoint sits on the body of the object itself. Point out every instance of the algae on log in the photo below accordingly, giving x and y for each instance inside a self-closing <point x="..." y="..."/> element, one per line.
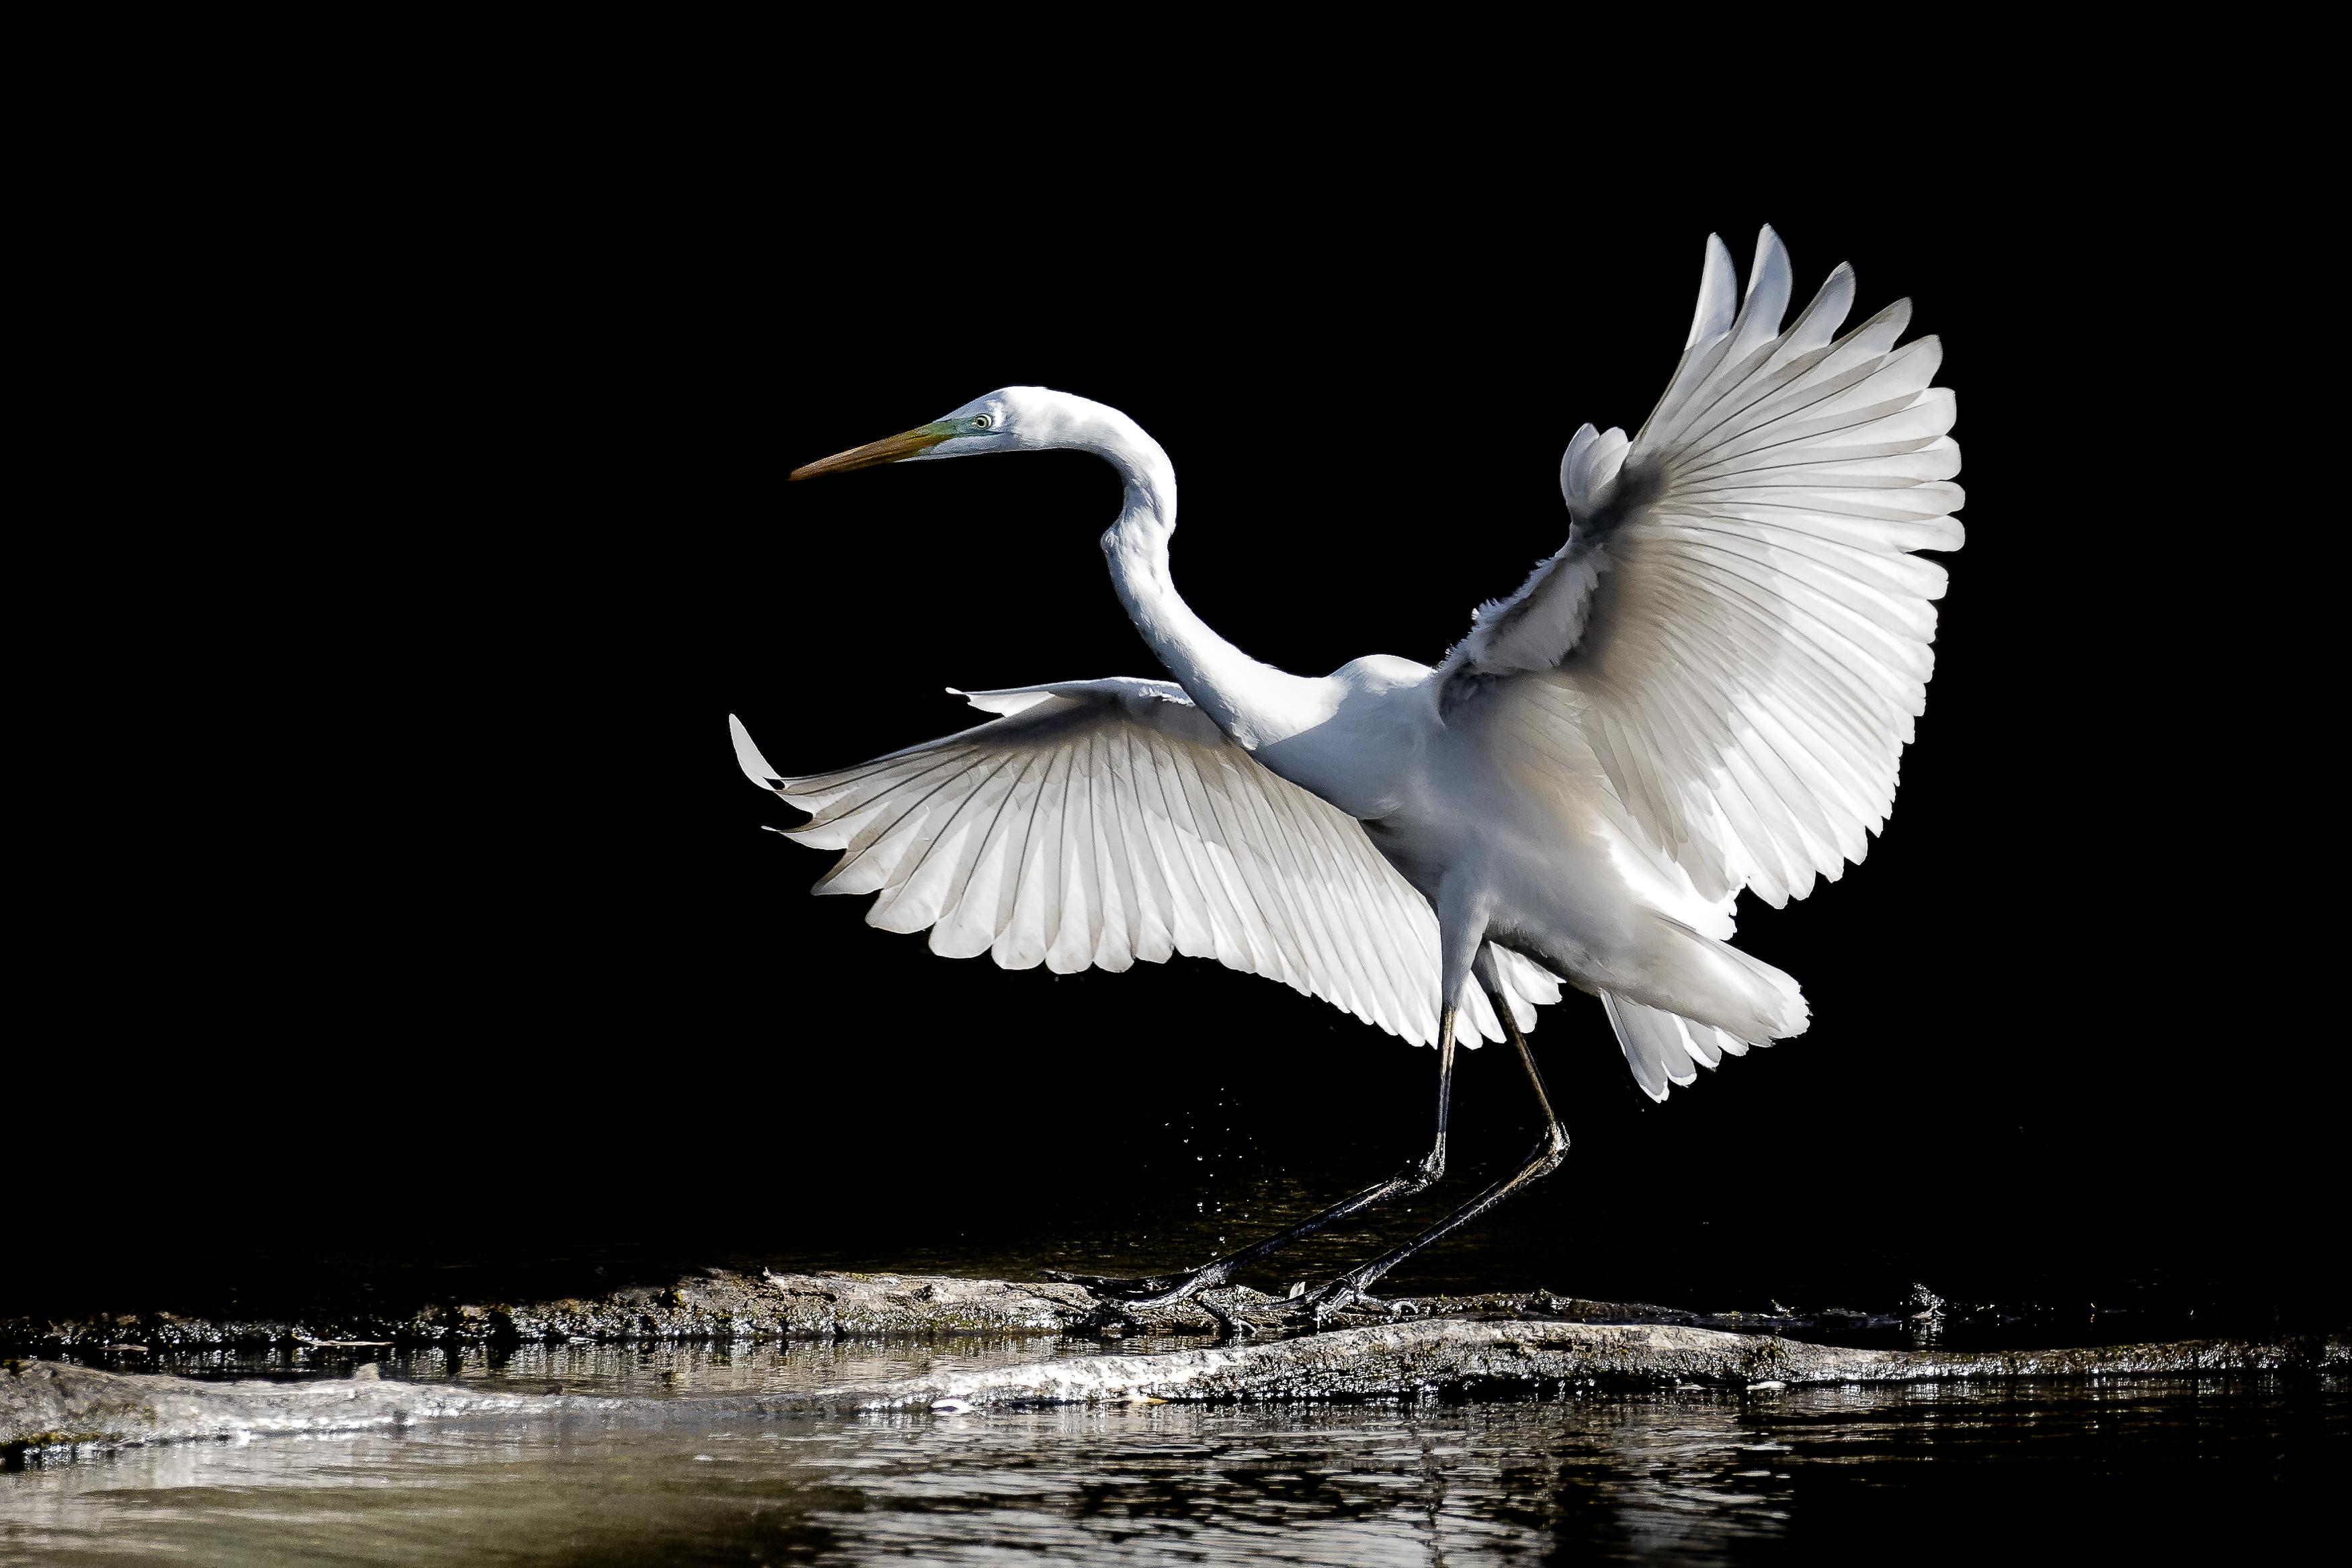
<point x="47" y="1405"/>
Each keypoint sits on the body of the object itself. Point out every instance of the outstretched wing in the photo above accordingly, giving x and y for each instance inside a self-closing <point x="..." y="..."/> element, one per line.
<point x="1097" y="822"/>
<point x="1737" y="630"/>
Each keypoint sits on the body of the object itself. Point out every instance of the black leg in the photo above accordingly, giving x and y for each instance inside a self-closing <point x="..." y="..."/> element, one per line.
<point x="1159" y="1291"/>
<point x="1551" y="1148"/>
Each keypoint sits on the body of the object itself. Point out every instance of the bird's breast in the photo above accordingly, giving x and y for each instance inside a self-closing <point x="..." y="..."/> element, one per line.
<point x="1369" y="755"/>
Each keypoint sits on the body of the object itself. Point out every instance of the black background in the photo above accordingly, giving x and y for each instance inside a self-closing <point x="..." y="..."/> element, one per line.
<point x="463" y="944"/>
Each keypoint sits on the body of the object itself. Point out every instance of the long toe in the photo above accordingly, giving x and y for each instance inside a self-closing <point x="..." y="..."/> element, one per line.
<point x="1319" y="1307"/>
<point x="1171" y="1292"/>
<point x="1114" y="1288"/>
<point x="1231" y="1324"/>
<point x="1109" y="1320"/>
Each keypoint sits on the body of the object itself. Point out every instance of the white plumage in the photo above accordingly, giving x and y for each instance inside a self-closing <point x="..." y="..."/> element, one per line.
<point x="1103" y="821"/>
<point x="1708" y="689"/>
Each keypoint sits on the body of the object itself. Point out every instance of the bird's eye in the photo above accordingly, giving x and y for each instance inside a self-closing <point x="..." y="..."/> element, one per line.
<point x="981" y="421"/>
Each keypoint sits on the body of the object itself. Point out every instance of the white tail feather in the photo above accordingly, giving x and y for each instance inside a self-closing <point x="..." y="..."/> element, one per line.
<point x="1664" y="1049"/>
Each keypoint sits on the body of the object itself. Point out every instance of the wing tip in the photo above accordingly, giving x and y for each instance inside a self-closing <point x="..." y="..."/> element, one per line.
<point x="755" y="766"/>
<point x="1718" y="294"/>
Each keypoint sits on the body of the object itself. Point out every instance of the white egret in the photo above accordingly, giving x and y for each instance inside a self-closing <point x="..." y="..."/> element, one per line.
<point x="1708" y="689"/>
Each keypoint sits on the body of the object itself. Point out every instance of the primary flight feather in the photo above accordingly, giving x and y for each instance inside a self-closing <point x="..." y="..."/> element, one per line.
<point x="1708" y="689"/>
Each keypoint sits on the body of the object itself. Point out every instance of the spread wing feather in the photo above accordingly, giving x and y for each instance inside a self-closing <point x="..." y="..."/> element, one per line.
<point x="1094" y="823"/>
<point x="1737" y="629"/>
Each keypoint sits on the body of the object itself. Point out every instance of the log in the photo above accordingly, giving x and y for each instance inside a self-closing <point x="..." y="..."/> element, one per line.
<point x="724" y="1305"/>
<point x="714" y="1304"/>
<point x="1471" y="1357"/>
<point x="50" y="1406"/>
<point x="47" y="1406"/>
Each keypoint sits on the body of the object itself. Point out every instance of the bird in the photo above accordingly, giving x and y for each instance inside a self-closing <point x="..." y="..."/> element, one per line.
<point x="1705" y="691"/>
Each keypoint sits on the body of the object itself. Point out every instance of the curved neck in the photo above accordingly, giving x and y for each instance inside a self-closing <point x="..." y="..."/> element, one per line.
<point x="1254" y="703"/>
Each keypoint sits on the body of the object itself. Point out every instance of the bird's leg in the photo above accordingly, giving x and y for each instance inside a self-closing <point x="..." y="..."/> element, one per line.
<point x="1161" y="1290"/>
<point x="1551" y="1148"/>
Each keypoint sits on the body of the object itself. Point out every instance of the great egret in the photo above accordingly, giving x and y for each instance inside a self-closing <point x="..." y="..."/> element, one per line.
<point x="1708" y="689"/>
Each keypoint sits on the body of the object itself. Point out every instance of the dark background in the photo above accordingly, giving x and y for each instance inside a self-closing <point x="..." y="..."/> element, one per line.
<point x="461" y="962"/>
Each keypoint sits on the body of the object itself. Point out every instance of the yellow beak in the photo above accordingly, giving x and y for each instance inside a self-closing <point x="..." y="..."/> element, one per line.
<point x="890" y="449"/>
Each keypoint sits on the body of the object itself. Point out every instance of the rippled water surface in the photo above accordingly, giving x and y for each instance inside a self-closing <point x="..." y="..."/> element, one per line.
<point x="1689" y="1477"/>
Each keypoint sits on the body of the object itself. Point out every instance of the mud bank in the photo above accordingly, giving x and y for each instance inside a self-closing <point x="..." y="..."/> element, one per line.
<point x="52" y="1407"/>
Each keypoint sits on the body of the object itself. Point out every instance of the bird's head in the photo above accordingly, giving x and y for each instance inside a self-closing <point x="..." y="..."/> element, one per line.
<point x="1010" y="419"/>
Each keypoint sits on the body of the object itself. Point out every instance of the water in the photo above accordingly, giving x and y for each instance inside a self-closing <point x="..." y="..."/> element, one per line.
<point x="1698" y="1477"/>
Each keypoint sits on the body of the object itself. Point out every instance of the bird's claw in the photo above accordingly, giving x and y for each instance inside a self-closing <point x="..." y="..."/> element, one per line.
<point x="1230" y="1324"/>
<point x="1319" y="1307"/>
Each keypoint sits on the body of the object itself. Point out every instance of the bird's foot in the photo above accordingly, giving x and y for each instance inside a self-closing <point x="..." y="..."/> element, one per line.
<point x="1118" y="1300"/>
<point x="1229" y="1324"/>
<point x="1109" y="1321"/>
<point x="1110" y="1288"/>
<point x="1343" y="1294"/>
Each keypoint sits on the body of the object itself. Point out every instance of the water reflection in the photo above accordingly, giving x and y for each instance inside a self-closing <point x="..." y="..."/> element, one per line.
<point x="655" y="1367"/>
<point x="1696" y="1477"/>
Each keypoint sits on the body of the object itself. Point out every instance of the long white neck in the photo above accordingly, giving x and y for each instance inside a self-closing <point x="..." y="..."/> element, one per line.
<point x="1254" y="703"/>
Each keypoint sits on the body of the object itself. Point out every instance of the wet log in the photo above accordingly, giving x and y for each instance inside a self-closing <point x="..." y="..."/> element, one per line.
<point x="48" y="1406"/>
<point x="715" y="1304"/>
<point x="725" y="1305"/>
<point x="1454" y="1356"/>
